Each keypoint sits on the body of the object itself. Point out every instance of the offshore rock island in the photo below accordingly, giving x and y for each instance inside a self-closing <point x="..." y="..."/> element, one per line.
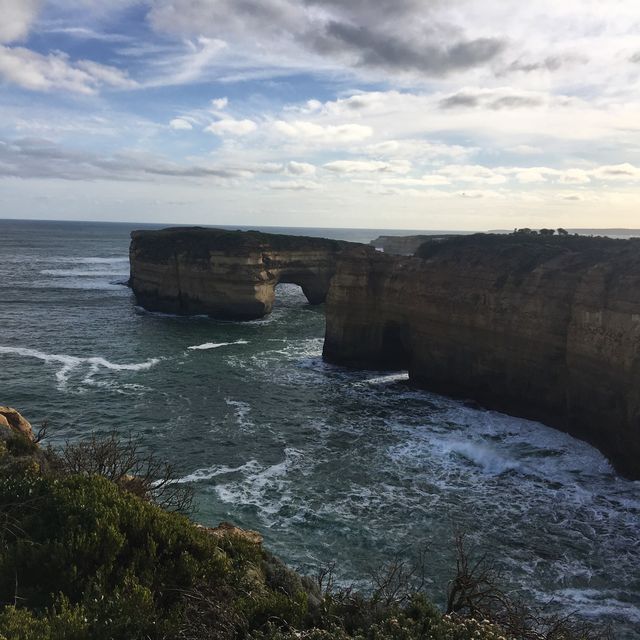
<point x="546" y="328"/>
<point x="226" y="274"/>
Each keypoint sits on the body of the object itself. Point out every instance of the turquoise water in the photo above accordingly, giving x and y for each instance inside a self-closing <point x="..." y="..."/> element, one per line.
<point x="329" y="464"/>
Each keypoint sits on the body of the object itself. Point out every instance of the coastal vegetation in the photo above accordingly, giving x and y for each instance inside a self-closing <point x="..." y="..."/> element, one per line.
<point x="87" y="553"/>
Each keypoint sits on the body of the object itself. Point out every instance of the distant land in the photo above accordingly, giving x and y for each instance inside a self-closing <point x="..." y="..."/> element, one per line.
<point x="589" y="232"/>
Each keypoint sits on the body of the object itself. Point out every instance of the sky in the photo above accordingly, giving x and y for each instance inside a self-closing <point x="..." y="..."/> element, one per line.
<point x="399" y="114"/>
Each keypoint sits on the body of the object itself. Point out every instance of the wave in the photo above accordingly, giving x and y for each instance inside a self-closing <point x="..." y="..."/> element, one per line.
<point x="70" y="363"/>
<point x="202" y="475"/>
<point x="490" y="460"/>
<point x="215" y="345"/>
<point x="242" y="410"/>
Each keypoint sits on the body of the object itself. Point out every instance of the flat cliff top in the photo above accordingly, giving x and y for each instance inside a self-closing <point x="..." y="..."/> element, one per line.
<point x="527" y="251"/>
<point x="201" y="241"/>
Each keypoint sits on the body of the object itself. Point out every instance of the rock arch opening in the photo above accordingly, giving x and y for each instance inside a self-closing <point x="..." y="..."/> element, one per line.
<point x="290" y="295"/>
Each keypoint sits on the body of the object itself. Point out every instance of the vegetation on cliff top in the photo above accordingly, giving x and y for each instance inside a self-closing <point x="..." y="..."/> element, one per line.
<point x="198" y="242"/>
<point x="83" y="556"/>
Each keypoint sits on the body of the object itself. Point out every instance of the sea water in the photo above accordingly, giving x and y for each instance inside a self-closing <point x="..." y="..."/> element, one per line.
<point x="331" y="465"/>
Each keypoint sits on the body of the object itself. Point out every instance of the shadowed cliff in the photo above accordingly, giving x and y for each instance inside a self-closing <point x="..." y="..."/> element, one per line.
<point x="545" y="328"/>
<point x="226" y="274"/>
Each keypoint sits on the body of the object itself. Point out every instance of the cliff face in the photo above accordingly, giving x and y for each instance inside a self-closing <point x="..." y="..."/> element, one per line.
<point x="226" y="274"/>
<point x="542" y="328"/>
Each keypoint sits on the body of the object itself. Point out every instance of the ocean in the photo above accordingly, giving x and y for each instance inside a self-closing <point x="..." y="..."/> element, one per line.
<point x="330" y="465"/>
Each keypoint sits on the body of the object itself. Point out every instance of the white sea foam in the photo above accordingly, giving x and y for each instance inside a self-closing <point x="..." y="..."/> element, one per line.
<point x="241" y="410"/>
<point x="264" y="487"/>
<point x="215" y="345"/>
<point x="490" y="459"/>
<point x="202" y="475"/>
<point x="70" y="363"/>
<point x="387" y="379"/>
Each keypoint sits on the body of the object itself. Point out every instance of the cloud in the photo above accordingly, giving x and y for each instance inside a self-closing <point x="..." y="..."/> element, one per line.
<point x="293" y="185"/>
<point x="84" y="33"/>
<point x="35" y="158"/>
<point x="624" y="172"/>
<point x="425" y="181"/>
<point x="55" y="71"/>
<point x="495" y="99"/>
<point x="575" y="176"/>
<point x="300" y="168"/>
<point x="180" y="124"/>
<point x="408" y="37"/>
<point x="532" y="175"/>
<point x="367" y="166"/>
<point x="229" y="126"/>
<point x="220" y="103"/>
<point x="473" y="174"/>
<point x="17" y="16"/>
<point x="304" y="130"/>
<point x="376" y="49"/>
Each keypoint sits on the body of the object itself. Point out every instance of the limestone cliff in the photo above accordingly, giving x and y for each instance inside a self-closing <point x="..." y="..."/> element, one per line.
<point x="226" y="274"/>
<point x="545" y="328"/>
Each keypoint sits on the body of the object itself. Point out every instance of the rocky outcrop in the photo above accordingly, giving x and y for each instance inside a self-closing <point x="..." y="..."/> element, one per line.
<point x="12" y="423"/>
<point x="404" y="245"/>
<point x="18" y="447"/>
<point x="226" y="274"/>
<point x="545" y="328"/>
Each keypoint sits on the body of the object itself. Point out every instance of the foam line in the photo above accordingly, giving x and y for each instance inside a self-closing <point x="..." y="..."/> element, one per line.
<point x="215" y="345"/>
<point x="69" y="363"/>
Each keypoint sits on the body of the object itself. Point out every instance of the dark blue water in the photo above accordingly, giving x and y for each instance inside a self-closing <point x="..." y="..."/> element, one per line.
<point x="329" y="464"/>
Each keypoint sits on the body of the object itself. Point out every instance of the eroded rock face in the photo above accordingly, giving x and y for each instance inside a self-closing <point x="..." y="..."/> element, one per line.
<point x="547" y="329"/>
<point x="12" y="422"/>
<point x="226" y="274"/>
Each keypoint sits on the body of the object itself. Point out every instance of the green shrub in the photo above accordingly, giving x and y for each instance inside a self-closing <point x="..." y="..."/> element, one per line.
<point x="126" y="563"/>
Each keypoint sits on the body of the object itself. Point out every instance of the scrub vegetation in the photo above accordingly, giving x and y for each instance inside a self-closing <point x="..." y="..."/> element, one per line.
<point x="89" y="551"/>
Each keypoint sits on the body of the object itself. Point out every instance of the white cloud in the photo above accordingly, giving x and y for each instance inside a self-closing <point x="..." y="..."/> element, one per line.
<point x="533" y="175"/>
<point x="300" y="168"/>
<point x="220" y="103"/>
<point x="180" y="124"/>
<point x="16" y="18"/>
<point x="473" y="174"/>
<point x="340" y="133"/>
<point x="55" y="71"/>
<point x="575" y="176"/>
<point x="229" y="126"/>
<point x="425" y="181"/>
<point x="367" y="166"/>
<point x="293" y="185"/>
<point x="624" y="172"/>
<point x="418" y="149"/>
<point x="102" y="74"/>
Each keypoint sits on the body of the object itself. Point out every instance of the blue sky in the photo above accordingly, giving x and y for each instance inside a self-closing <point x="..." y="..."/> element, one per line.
<point x="418" y="114"/>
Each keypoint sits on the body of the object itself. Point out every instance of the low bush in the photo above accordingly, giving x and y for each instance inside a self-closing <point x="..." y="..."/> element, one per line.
<point x="82" y="557"/>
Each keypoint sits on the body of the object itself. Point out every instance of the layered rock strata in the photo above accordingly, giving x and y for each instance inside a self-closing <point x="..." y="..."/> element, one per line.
<point x="547" y="329"/>
<point x="226" y="274"/>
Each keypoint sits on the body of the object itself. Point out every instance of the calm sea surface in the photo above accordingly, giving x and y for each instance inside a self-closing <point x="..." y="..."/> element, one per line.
<point x="329" y="464"/>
